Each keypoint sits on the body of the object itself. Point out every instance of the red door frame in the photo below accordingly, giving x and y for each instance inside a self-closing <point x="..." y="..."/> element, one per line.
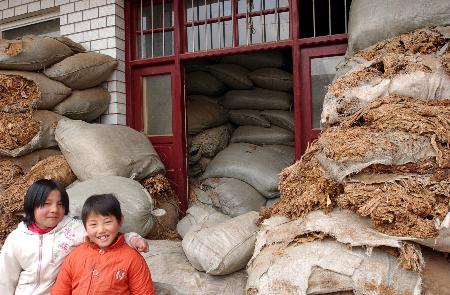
<point x="302" y="51"/>
<point x="305" y="133"/>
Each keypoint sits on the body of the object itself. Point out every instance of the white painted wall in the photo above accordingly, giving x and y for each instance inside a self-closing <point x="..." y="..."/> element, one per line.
<point x="98" y="25"/>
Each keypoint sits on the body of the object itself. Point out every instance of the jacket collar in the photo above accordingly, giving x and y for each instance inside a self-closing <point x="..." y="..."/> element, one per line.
<point x="120" y="241"/>
<point x="66" y="219"/>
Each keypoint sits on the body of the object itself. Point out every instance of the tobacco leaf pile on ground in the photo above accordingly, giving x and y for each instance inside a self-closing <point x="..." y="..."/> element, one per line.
<point x="164" y="197"/>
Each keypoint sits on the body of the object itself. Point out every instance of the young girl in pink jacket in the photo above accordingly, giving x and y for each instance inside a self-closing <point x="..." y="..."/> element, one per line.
<point x="32" y="254"/>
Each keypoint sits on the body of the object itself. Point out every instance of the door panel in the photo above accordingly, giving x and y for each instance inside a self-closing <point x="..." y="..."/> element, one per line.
<point x="157" y="111"/>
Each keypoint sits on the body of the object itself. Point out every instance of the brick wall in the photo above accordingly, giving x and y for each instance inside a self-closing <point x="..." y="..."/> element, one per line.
<point x="98" y="25"/>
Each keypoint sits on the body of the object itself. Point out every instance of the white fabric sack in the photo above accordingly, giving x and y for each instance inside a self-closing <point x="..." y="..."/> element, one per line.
<point x="229" y="195"/>
<point x="314" y="264"/>
<point x="222" y="248"/>
<point x="201" y="216"/>
<point x="94" y="150"/>
<point x="371" y="21"/>
<point x="172" y="272"/>
<point x="434" y="85"/>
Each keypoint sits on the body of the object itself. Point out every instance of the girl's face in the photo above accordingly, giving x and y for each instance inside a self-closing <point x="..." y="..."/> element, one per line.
<point x="51" y="213"/>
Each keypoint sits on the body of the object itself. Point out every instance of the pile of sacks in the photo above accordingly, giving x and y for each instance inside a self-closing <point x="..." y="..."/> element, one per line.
<point x="241" y="124"/>
<point x="241" y="130"/>
<point x="365" y="198"/>
<point x="49" y="91"/>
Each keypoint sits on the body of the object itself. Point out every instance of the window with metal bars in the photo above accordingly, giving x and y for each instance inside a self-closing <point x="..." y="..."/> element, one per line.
<point x="214" y="24"/>
<point x="155" y="29"/>
<point x="323" y="17"/>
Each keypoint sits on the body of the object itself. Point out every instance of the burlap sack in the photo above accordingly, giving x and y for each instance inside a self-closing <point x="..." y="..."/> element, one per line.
<point x="86" y="105"/>
<point x="203" y="115"/>
<point x="285" y="151"/>
<point x="52" y="92"/>
<point x="223" y="248"/>
<point x="135" y="202"/>
<point x="421" y="76"/>
<point x="169" y="266"/>
<point x="271" y="202"/>
<point x="83" y="70"/>
<point x="203" y="98"/>
<point x="260" y="135"/>
<point x="435" y="273"/>
<point x="31" y="53"/>
<point x="44" y="138"/>
<point x="74" y="46"/>
<point x="234" y="76"/>
<point x="212" y="141"/>
<point x="27" y="161"/>
<point x="200" y="216"/>
<point x="373" y="21"/>
<point x="272" y="78"/>
<point x="204" y="83"/>
<point x="248" y="117"/>
<point x="94" y="150"/>
<point x="256" y="60"/>
<point x="257" y="99"/>
<point x="283" y="119"/>
<point x="255" y="165"/>
<point x="230" y="196"/>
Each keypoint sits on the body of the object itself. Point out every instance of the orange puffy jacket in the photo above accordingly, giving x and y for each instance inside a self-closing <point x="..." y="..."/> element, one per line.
<point x="118" y="269"/>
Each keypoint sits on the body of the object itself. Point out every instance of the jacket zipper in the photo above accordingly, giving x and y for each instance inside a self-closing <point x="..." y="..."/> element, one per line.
<point x="39" y="264"/>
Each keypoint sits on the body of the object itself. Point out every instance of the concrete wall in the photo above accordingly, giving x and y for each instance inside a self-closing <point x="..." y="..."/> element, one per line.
<point x="98" y="25"/>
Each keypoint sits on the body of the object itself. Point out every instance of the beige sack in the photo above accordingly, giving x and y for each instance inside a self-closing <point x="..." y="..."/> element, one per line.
<point x="52" y="92"/>
<point x="169" y="266"/>
<point x="199" y="216"/>
<point x="203" y="115"/>
<point x="43" y="139"/>
<point x="273" y="78"/>
<point x="234" y="76"/>
<point x="222" y="248"/>
<point x="314" y="260"/>
<point x="257" y="99"/>
<point x="31" y="53"/>
<point x="136" y="203"/>
<point x="83" y="70"/>
<point x="86" y="105"/>
<point x="94" y="150"/>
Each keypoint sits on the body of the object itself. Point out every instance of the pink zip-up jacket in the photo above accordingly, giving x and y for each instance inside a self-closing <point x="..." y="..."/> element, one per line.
<point x="30" y="262"/>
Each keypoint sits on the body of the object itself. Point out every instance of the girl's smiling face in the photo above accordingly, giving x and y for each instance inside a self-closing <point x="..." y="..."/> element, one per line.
<point x="51" y="213"/>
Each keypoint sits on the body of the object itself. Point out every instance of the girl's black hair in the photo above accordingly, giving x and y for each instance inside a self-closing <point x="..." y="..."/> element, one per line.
<point x="106" y="204"/>
<point x="37" y="194"/>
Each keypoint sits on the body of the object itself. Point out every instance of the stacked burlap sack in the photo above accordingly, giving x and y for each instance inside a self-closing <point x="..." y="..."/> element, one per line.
<point x="241" y="124"/>
<point x="45" y="82"/>
<point x="241" y="137"/>
<point x="374" y="189"/>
